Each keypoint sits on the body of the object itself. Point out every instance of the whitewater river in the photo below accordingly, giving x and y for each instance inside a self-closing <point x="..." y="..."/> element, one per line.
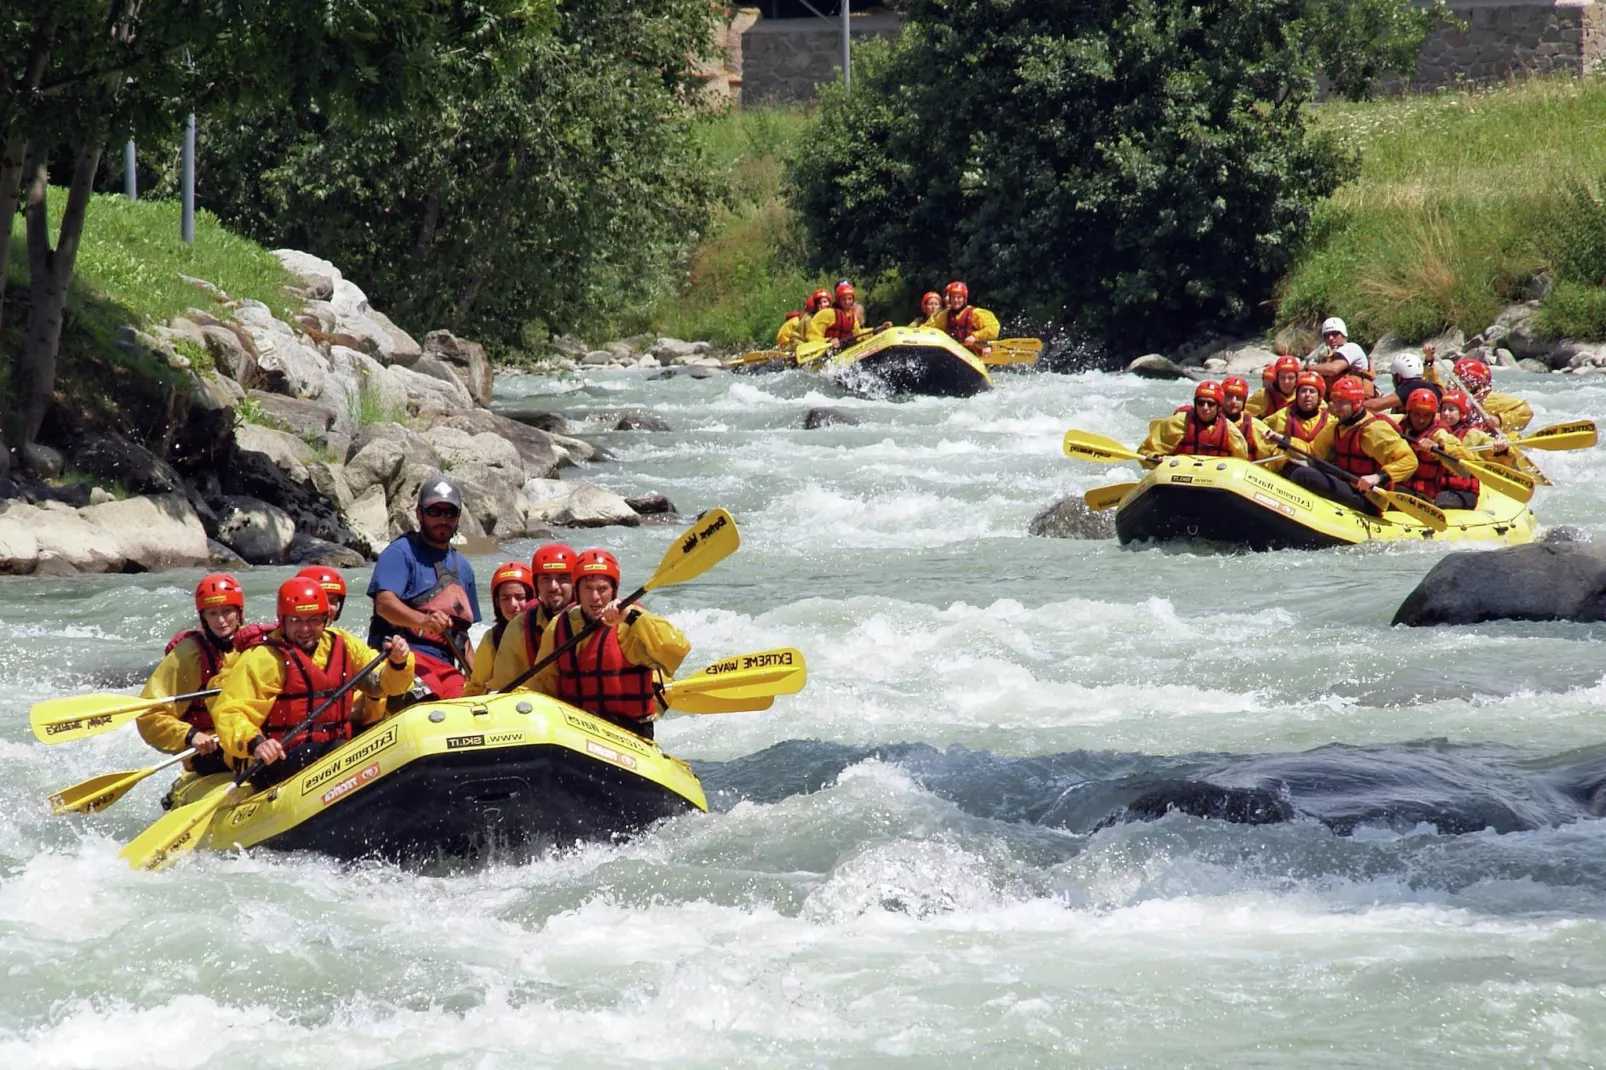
<point x="906" y="864"/>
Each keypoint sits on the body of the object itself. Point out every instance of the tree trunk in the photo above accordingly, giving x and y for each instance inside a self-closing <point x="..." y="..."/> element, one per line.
<point x="13" y="161"/>
<point x="51" y="272"/>
<point x="487" y="256"/>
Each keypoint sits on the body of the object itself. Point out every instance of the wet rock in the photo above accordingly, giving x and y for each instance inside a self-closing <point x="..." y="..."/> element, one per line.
<point x="1243" y="806"/>
<point x="221" y="557"/>
<point x="693" y="371"/>
<point x="1155" y="366"/>
<point x="1544" y="581"/>
<point x="306" y="550"/>
<point x="825" y="417"/>
<point x="134" y="535"/>
<point x="1564" y="533"/>
<point x="636" y="420"/>
<point x="531" y="416"/>
<point x="651" y="505"/>
<point x="254" y="475"/>
<point x="257" y="531"/>
<point x="1530" y="364"/>
<point x="73" y="495"/>
<point x="1070" y="518"/>
<point x="575" y="505"/>
<point x="117" y="460"/>
<point x="667" y="350"/>
<point x="1245" y="358"/>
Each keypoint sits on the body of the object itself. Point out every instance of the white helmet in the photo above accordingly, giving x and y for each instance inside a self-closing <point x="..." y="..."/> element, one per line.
<point x="1407" y="366"/>
<point x="1333" y="323"/>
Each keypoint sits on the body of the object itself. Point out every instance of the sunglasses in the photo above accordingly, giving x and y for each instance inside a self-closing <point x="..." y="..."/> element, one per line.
<point x="440" y="511"/>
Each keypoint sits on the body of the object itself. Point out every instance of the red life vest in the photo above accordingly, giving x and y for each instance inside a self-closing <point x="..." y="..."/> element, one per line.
<point x="961" y="324"/>
<point x="536" y="618"/>
<point x="1347" y="451"/>
<point x="306" y="687"/>
<point x="1305" y="431"/>
<point x="1275" y="401"/>
<point x="1430" y="476"/>
<point x="195" y="712"/>
<point x="1246" y="424"/>
<point x="1455" y="482"/>
<point x="845" y="326"/>
<point x="606" y="684"/>
<point x="1212" y="441"/>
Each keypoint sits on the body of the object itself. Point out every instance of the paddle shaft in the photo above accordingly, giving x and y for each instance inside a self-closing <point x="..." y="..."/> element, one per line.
<point x="574" y="640"/>
<point x="117" y="788"/>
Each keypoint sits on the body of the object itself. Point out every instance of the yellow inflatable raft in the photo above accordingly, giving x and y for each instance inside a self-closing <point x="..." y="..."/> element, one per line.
<point x="908" y="360"/>
<point x="1226" y="500"/>
<point x="457" y="777"/>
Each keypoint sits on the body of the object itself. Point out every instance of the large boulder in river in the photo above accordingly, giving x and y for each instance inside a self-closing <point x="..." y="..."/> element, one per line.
<point x="1562" y="581"/>
<point x="1070" y="518"/>
<point x="575" y="505"/>
<point x="1155" y="366"/>
<point x="259" y="532"/>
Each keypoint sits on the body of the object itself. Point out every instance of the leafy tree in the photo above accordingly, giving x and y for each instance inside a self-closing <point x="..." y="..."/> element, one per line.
<point x="1133" y="167"/>
<point x="564" y="192"/>
<point x="75" y="74"/>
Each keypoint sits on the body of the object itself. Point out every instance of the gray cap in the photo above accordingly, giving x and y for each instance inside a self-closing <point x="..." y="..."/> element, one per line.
<point x="439" y="489"/>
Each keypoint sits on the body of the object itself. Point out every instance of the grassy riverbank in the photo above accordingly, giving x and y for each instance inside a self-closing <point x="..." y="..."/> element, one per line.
<point x="1462" y="200"/>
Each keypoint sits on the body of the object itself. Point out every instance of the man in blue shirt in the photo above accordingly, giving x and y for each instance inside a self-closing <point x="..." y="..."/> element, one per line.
<point x="423" y="589"/>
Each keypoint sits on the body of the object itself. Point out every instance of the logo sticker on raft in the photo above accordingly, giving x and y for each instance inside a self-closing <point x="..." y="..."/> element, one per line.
<point x="360" y="753"/>
<point x="702" y="536"/>
<point x="609" y="754"/>
<point x="617" y="738"/>
<point x="1281" y="491"/>
<point x="351" y="783"/>
<point x="749" y="661"/>
<point x="242" y="813"/>
<point x="459" y="742"/>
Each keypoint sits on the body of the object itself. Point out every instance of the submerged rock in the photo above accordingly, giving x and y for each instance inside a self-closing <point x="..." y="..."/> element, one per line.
<point x="1070" y="518"/>
<point x="825" y="417"/>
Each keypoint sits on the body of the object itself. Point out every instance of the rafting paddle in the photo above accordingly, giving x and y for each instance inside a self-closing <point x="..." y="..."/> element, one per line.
<point x="705" y="544"/>
<point x="1512" y="484"/>
<point x="1580" y="435"/>
<point x="175" y="833"/>
<point x="1424" y="513"/>
<point x="739" y="684"/>
<point x="1086" y="446"/>
<point x="97" y="793"/>
<point x="74" y="717"/>
<point x="1101" y="498"/>
<point x="1003" y="351"/>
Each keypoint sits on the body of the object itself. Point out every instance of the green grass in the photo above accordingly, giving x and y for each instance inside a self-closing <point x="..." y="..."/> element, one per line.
<point x="1462" y="199"/>
<point x="129" y="271"/>
<point x="748" y="272"/>
<point x="368" y="407"/>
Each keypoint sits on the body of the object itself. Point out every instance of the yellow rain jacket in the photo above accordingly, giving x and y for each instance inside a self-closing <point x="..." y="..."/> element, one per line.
<point x="793" y="331"/>
<point x="256" y="679"/>
<point x="1255" y="437"/>
<point x="1383" y="444"/>
<point x="826" y="318"/>
<point x="1166" y="435"/>
<point x="1320" y="444"/>
<point x="488" y="659"/>
<point x="179" y="673"/>
<point x="649" y="640"/>
<point x="1258" y="403"/>
<point x="1513" y="413"/>
<point x="985" y="322"/>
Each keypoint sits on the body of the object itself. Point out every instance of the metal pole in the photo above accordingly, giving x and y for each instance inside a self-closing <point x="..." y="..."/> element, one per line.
<point x="130" y="179"/>
<point x="187" y="184"/>
<point x="847" y="58"/>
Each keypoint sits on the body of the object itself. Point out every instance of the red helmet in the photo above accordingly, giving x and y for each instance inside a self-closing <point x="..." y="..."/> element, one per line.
<point x="1236" y="385"/>
<point x="1458" y="399"/>
<point x="956" y="288"/>
<point x="1209" y="390"/>
<point x="1422" y="400"/>
<point x="1348" y="388"/>
<point x="819" y="299"/>
<point x="844" y="289"/>
<point x="1474" y="373"/>
<point x="596" y="563"/>
<point x="1285" y="364"/>
<point x="513" y="572"/>
<point x="219" y="589"/>
<point x="301" y="596"/>
<point x="328" y="578"/>
<point x="554" y="557"/>
<point x="1312" y="379"/>
<point x="1268" y="375"/>
<point x="930" y="295"/>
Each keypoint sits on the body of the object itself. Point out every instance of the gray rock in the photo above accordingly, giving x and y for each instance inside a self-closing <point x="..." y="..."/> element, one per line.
<point x="1155" y="366"/>
<point x="298" y="415"/>
<point x="118" y="460"/>
<point x="221" y="557"/>
<point x="1544" y="581"/>
<point x="306" y="550"/>
<point x="1070" y="518"/>
<point x="667" y="350"/>
<point x="493" y="500"/>
<point x="568" y="346"/>
<point x="375" y="463"/>
<point x="46" y="462"/>
<point x="1564" y="533"/>
<point x="620" y="351"/>
<point x="448" y="373"/>
<point x="637" y="420"/>
<point x="282" y="448"/>
<point x="397" y="348"/>
<point x="1246" y="358"/>
<point x="233" y="352"/>
<point x="1505" y="358"/>
<point x="543" y="453"/>
<point x="157" y="532"/>
<point x="654" y="504"/>
<point x="579" y="505"/>
<point x="1538" y="367"/>
<point x="1517" y="329"/>
<point x="825" y="417"/>
<point x="427" y="395"/>
<point x="315" y="275"/>
<point x="369" y="517"/>
<point x="369" y="377"/>
<point x="100" y="496"/>
<point x="1296" y="338"/>
<point x="285" y="363"/>
<point x="456" y="447"/>
<point x="136" y="534"/>
<point x="330" y="481"/>
<point x="1586" y="355"/>
<point x="596" y="358"/>
<point x="257" y="531"/>
<point x="694" y="372"/>
<point x="468" y="358"/>
<point x="538" y="418"/>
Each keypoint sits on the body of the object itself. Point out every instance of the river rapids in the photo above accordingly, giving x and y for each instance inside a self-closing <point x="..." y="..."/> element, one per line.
<point x="920" y="860"/>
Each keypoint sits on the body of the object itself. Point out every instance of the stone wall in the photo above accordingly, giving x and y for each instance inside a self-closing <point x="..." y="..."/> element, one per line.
<point x="1512" y="38"/>
<point x="784" y="59"/>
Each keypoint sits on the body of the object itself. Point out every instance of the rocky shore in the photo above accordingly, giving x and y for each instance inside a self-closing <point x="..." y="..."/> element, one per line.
<point x="305" y="441"/>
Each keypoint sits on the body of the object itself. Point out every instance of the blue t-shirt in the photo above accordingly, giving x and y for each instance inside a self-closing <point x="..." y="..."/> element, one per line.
<point x="406" y="568"/>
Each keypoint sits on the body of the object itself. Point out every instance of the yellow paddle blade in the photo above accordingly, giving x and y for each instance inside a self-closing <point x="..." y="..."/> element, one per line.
<point x="97" y="793"/>
<point x="1101" y="498"/>
<point x="710" y="540"/>
<point x="1004" y="351"/>
<point x="74" y="717"/>
<point x="1086" y="446"/>
<point x="759" y="356"/>
<point x="1513" y="485"/>
<point x="1417" y="509"/>
<point x="705" y="704"/>
<point x="745" y="676"/>
<point x="1578" y="435"/>
<point x="175" y="833"/>
<point x="812" y="351"/>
